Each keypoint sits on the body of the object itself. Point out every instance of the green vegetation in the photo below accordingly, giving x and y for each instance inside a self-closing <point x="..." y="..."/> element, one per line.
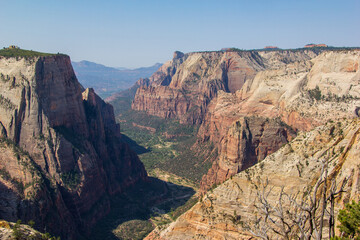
<point x="4" y="78"/>
<point x="133" y="229"/>
<point x="135" y="214"/>
<point x="71" y="179"/>
<point x="349" y="219"/>
<point x="335" y="98"/>
<point x="17" y="233"/>
<point x="20" y="154"/>
<point x="168" y="151"/>
<point x="23" y="232"/>
<point x="17" y="52"/>
<point x="169" y="148"/>
<point x="315" y="49"/>
<point x="31" y="223"/>
<point x="330" y="97"/>
<point x="6" y="175"/>
<point x="315" y="93"/>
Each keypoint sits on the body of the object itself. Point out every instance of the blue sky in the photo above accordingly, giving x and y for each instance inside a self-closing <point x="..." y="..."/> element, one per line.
<point x="137" y="33"/>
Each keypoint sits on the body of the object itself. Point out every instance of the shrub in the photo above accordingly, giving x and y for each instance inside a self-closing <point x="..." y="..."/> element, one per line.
<point x="349" y="219"/>
<point x="315" y="93"/>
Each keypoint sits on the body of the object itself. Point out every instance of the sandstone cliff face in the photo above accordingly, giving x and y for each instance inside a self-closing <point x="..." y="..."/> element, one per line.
<point x="248" y="141"/>
<point x="218" y="89"/>
<point x="303" y="94"/>
<point x="296" y="166"/>
<point x="182" y="88"/>
<point x="60" y="145"/>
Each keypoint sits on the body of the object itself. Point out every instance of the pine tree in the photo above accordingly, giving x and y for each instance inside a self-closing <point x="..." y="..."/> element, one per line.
<point x="350" y="220"/>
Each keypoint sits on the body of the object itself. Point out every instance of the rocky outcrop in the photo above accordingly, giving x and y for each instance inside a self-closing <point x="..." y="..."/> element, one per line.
<point x="248" y="141"/>
<point x="61" y="155"/>
<point x="10" y="231"/>
<point x="226" y="211"/>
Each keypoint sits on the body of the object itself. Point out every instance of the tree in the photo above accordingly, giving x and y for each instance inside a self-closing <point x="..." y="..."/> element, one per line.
<point x="301" y="215"/>
<point x="349" y="219"/>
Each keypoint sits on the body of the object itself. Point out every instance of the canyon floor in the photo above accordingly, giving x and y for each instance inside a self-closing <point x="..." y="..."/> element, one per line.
<point x="164" y="146"/>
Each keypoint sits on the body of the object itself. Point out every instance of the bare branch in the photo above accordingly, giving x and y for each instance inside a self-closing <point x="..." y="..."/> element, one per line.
<point x="297" y="216"/>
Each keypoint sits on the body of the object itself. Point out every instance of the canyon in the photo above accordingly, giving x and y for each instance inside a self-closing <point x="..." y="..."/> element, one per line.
<point x="62" y="157"/>
<point x="227" y="124"/>
<point x="250" y="103"/>
<point x="272" y="116"/>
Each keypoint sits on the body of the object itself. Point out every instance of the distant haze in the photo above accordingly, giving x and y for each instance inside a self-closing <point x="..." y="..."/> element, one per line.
<point x="106" y="80"/>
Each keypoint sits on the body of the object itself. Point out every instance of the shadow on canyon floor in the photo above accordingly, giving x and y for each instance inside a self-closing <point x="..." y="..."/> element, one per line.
<point x="146" y="205"/>
<point x="134" y="145"/>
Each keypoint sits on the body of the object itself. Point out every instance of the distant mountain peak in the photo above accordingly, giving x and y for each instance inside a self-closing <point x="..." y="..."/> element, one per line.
<point x="108" y="80"/>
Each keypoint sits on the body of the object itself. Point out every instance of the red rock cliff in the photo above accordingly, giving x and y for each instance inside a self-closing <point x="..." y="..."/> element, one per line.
<point x="61" y="144"/>
<point x="299" y="88"/>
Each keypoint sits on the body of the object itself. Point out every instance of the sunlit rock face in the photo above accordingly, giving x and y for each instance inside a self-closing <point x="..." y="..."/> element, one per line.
<point x="227" y="210"/>
<point x="270" y="94"/>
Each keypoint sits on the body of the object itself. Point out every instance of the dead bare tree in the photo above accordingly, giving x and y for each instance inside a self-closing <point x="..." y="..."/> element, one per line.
<point x="297" y="216"/>
<point x="334" y="192"/>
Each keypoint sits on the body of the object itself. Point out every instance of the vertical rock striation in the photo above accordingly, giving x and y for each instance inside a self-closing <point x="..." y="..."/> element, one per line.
<point x="247" y="142"/>
<point x="61" y="153"/>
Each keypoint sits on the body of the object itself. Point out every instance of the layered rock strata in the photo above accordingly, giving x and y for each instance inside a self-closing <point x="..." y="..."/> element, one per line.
<point x="61" y="153"/>
<point x="302" y="95"/>
<point x="248" y="141"/>
<point x="183" y="87"/>
<point x="297" y="89"/>
<point x="227" y="211"/>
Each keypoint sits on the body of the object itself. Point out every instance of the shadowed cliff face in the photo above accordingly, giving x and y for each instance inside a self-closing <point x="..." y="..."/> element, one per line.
<point x="62" y="154"/>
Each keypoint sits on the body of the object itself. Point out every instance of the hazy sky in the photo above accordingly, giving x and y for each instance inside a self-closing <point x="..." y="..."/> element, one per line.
<point x="138" y="33"/>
